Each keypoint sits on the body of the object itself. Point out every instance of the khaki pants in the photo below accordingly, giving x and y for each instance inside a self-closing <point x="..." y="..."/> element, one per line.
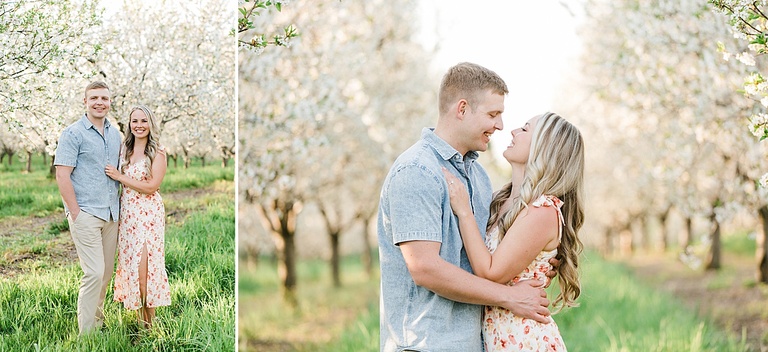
<point x="96" y="242"/>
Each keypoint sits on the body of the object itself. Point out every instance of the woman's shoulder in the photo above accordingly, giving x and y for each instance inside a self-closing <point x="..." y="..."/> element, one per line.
<point x="547" y="200"/>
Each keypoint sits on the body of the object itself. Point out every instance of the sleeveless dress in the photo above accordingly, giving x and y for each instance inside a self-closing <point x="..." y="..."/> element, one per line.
<point x="502" y="330"/>
<point x="142" y="222"/>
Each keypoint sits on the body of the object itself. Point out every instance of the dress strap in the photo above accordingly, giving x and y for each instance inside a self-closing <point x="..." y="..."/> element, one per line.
<point x="552" y="201"/>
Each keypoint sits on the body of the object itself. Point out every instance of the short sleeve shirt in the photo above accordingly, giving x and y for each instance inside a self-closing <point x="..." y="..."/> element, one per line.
<point x="415" y="206"/>
<point x="84" y="148"/>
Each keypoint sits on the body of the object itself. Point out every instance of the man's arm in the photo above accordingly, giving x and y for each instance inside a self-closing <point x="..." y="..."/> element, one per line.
<point x="67" y="190"/>
<point x="429" y="270"/>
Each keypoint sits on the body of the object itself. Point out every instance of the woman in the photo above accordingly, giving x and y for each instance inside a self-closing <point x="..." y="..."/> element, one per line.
<point x="534" y="217"/>
<point x="141" y="282"/>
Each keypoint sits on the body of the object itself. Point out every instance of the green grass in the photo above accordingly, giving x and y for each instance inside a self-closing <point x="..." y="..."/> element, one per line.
<point x="38" y="310"/>
<point x="617" y="313"/>
<point x="36" y="193"/>
<point x="38" y="305"/>
<point x="741" y="243"/>
<point x="327" y="319"/>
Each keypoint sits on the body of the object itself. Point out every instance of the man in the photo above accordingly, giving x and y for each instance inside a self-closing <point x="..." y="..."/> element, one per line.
<point x="91" y="199"/>
<point x="430" y="301"/>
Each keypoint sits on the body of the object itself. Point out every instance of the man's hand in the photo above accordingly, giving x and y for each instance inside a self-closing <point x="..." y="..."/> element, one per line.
<point x="74" y="213"/>
<point x="552" y="273"/>
<point x="529" y="300"/>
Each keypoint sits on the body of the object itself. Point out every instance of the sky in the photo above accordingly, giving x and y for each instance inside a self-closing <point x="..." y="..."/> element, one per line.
<point x="530" y="44"/>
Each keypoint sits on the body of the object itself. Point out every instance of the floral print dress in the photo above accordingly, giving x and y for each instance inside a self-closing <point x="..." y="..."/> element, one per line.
<point x="502" y="330"/>
<point x="142" y="223"/>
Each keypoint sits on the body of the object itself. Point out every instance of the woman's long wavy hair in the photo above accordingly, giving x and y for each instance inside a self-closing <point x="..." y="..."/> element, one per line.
<point x="153" y="140"/>
<point x="555" y="167"/>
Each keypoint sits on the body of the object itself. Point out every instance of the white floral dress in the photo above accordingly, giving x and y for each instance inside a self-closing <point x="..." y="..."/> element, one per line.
<point x="142" y="222"/>
<point x="502" y="330"/>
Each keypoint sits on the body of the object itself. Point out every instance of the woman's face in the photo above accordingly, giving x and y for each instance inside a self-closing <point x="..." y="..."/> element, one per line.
<point x="518" y="150"/>
<point x="139" y="124"/>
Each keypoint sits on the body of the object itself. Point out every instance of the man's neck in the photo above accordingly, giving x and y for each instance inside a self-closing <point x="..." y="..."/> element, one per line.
<point x="449" y="136"/>
<point x="98" y="123"/>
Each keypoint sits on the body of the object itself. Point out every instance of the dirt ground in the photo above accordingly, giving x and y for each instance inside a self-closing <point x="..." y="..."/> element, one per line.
<point x="61" y="249"/>
<point x="730" y="296"/>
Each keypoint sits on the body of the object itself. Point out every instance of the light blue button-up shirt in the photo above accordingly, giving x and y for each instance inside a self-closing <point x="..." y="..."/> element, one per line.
<point x="415" y="206"/>
<point x="82" y="147"/>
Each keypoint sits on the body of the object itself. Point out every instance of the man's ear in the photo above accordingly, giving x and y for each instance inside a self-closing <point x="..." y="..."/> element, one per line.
<point x="461" y="109"/>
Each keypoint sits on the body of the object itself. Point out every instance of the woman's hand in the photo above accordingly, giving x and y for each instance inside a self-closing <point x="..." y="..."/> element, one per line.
<point x="113" y="173"/>
<point x="458" y="194"/>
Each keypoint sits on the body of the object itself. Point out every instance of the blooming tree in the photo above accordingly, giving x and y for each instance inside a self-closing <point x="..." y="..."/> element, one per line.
<point x="184" y="72"/>
<point x="654" y="62"/>
<point x="44" y="46"/>
<point x="748" y="23"/>
<point x="318" y="125"/>
<point x="249" y="36"/>
<point x="182" y="69"/>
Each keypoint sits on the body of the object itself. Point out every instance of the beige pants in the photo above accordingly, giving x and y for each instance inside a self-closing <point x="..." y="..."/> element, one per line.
<point x="96" y="242"/>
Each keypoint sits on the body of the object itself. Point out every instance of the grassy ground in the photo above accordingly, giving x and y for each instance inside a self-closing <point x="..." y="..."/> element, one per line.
<point x="730" y="296"/>
<point x="38" y="291"/>
<point x="327" y="319"/>
<point x="617" y="313"/>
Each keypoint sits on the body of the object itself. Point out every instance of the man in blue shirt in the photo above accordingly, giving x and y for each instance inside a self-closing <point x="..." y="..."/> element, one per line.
<point x="91" y="200"/>
<point x="430" y="301"/>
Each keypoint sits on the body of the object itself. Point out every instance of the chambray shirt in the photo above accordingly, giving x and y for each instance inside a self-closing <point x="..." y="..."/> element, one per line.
<point x="82" y="146"/>
<point x="415" y="205"/>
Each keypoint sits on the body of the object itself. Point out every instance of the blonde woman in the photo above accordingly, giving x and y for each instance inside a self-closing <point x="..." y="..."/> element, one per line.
<point x="534" y="217"/>
<point x="141" y="281"/>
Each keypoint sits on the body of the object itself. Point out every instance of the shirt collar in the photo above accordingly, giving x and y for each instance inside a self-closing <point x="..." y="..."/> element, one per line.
<point x="443" y="148"/>
<point x="88" y="124"/>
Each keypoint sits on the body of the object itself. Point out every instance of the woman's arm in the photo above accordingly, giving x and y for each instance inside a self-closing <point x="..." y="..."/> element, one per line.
<point x="147" y="186"/>
<point x="533" y="230"/>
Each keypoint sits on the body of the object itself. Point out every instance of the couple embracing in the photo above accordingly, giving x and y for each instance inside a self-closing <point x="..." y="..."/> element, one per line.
<point x="92" y="165"/>
<point x="464" y="268"/>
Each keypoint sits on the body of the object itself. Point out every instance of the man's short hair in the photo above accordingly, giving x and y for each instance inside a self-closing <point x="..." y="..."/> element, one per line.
<point x="466" y="81"/>
<point x="95" y="85"/>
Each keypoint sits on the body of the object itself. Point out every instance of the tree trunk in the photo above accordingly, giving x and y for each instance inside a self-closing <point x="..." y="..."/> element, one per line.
<point x="715" y="248"/>
<point x="203" y="160"/>
<point x="286" y="266"/>
<point x="645" y="239"/>
<point x="52" y="167"/>
<point x="224" y="162"/>
<point x="664" y="240"/>
<point x="366" y="257"/>
<point x="688" y="233"/>
<point x="335" y="258"/>
<point x="762" y="247"/>
<point x="280" y="217"/>
<point x="29" y="162"/>
<point x="335" y="227"/>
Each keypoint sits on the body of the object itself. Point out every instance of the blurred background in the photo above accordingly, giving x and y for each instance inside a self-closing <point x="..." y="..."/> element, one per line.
<point x="668" y="95"/>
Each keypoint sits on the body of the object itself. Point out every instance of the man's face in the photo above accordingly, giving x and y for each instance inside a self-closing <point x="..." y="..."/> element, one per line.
<point x="97" y="102"/>
<point x="482" y="120"/>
